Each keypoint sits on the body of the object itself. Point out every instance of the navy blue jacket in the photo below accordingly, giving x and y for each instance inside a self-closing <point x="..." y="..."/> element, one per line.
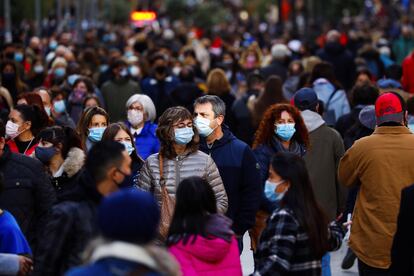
<point x="239" y="171"/>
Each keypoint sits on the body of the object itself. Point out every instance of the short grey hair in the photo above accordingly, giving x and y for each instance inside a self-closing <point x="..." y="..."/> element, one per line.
<point x="219" y="107"/>
<point x="147" y="104"/>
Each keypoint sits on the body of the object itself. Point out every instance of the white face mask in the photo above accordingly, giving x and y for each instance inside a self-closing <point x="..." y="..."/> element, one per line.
<point x="203" y="126"/>
<point x="135" y="117"/>
<point x="12" y="130"/>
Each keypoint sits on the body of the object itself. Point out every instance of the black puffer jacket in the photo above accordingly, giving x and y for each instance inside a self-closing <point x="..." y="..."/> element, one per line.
<point x="27" y="195"/>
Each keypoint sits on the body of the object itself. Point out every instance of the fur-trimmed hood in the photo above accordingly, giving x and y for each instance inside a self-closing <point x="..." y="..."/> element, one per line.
<point x="74" y="161"/>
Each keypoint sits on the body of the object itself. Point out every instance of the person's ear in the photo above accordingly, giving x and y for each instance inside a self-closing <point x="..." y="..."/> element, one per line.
<point x="59" y="147"/>
<point x="220" y="120"/>
<point x="317" y="108"/>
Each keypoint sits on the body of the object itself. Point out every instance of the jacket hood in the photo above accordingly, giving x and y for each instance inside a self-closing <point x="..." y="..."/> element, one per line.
<point x="152" y="257"/>
<point x="209" y="250"/>
<point x="312" y="120"/>
<point x="74" y="161"/>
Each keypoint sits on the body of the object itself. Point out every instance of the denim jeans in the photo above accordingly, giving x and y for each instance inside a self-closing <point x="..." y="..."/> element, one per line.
<point x="326" y="265"/>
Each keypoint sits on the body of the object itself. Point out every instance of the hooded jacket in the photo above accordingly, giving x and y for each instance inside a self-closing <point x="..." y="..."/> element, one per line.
<point x="67" y="182"/>
<point x="322" y="160"/>
<point x="240" y="173"/>
<point x="214" y="255"/>
<point x="334" y="100"/>
<point x="126" y="259"/>
<point x="179" y="168"/>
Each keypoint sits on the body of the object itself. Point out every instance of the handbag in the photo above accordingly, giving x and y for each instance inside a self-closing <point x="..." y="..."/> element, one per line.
<point x="167" y="204"/>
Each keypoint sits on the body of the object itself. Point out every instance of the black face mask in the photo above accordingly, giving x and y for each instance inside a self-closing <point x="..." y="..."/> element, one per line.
<point x="161" y="70"/>
<point x="9" y="56"/>
<point x="8" y="76"/>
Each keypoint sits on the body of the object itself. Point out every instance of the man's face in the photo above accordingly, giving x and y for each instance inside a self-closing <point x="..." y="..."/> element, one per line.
<point x="125" y="168"/>
<point x="206" y="111"/>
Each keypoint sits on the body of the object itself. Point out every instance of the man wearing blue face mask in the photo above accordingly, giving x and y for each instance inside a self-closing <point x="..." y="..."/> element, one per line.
<point x="322" y="159"/>
<point x="235" y="161"/>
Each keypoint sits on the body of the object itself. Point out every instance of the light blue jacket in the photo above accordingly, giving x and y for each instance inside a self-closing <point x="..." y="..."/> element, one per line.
<point x="335" y="106"/>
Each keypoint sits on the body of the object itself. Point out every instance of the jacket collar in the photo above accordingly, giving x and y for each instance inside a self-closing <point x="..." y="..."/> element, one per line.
<point x="125" y="251"/>
<point x="6" y="154"/>
<point x="392" y="130"/>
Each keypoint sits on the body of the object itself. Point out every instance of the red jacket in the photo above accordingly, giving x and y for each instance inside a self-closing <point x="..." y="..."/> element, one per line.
<point x="407" y="79"/>
<point x="14" y="149"/>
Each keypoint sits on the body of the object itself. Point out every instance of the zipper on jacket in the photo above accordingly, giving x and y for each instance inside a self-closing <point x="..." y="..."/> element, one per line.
<point x="177" y="173"/>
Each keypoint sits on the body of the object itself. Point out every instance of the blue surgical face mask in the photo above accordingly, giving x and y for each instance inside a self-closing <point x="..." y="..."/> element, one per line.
<point x="53" y="44"/>
<point x="95" y="134"/>
<point x="103" y="68"/>
<point x="45" y="154"/>
<point x="128" y="146"/>
<point x="124" y="73"/>
<point x="270" y="191"/>
<point x="47" y="110"/>
<point x="183" y="136"/>
<point x="60" y="72"/>
<point x="18" y="57"/>
<point x="203" y="126"/>
<point x="285" y="131"/>
<point x="38" y="69"/>
<point x="59" y="106"/>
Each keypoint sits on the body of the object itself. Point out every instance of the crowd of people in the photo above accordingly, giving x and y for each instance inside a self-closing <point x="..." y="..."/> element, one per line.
<point x="153" y="151"/>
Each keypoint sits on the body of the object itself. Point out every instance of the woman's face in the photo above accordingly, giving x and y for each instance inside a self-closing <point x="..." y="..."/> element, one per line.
<point x="183" y="124"/>
<point x="122" y="136"/>
<point x="276" y="178"/>
<point x="285" y="118"/>
<point x="81" y="86"/>
<point x="8" y="69"/>
<point x="91" y="103"/>
<point x="98" y="121"/>
<point x="138" y="107"/>
<point x="16" y="117"/>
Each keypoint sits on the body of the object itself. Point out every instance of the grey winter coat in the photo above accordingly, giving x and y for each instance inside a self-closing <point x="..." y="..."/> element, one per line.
<point x="194" y="164"/>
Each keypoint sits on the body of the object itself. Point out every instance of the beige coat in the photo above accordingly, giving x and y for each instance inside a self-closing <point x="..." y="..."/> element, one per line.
<point x="195" y="164"/>
<point x="383" y="164"/>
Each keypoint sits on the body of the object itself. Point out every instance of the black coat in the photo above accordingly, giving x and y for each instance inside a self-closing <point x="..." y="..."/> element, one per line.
<point x="27" y="195"/>
<point x="342" y="61"/>
<point x="240" y="173"/>
<point x="402" y="252"/>
<point x="242" y="125"/>
<point x="71" y="227"/>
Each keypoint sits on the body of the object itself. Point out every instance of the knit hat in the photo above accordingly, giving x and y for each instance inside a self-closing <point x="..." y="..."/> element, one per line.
<point x="129" y="215"/>
<point x="367" y="116"/>
<point x="388" y="108"/>
<point x="305" y="98"/>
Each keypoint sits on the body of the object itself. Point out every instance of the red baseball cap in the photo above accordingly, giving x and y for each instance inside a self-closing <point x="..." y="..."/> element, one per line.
<point x="388" y="108"/>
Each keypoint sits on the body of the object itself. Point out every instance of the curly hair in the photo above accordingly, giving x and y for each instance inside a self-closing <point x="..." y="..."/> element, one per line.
<point x="165" y="131"/>
<point x="266" y="128"/>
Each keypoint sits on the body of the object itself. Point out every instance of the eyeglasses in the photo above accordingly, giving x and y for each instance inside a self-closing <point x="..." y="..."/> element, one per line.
<point x="182" y="125"/>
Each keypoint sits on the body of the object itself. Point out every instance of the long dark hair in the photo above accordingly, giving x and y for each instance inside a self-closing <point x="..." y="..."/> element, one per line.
<point x="65" y="136"/>
<point x="34" y="114"/>
<point x="301" y="200"/>
<point x="195" y="202"/>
